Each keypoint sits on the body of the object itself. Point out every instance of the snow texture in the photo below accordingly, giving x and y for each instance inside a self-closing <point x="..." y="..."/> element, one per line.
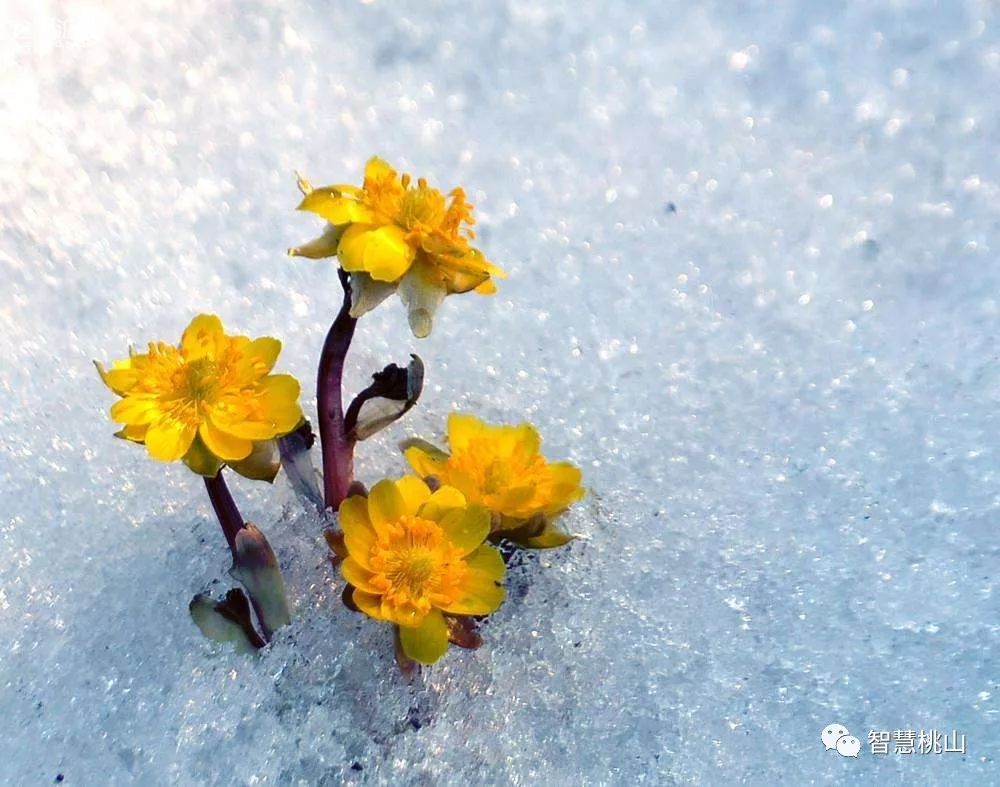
<point x="753" y="293"/>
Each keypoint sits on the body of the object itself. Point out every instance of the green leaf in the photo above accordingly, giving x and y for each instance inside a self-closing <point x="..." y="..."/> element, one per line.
<point x="256" y="568"/>
<point x="227" y="620"/>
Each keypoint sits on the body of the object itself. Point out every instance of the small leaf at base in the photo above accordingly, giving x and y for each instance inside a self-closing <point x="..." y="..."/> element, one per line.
<point x="227" y="620"/>
<point x="256" y="568"/>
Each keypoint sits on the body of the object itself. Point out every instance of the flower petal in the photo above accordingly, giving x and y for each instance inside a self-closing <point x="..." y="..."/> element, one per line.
<point x="357" y="575"/>
<point x="466" y="528"/>
<point x="332" y="204"/>
<point x="323" y="246"/>
<point x="262" y="354"/>
<point x="351" y="249"/>
<point x="566" y="473"/>
<point x="525" y="441"/>
<point x="472" y="262"/>
<point x="136" y="410"/>
<point x="401" y="614"/>
<point x="359" y="536"/>
<point x="378" y="169"/>
<point x="385" y="505"/>
<point x="280" y="396"/>
<point x="487" y="561"/>
<point x="368" y="603"/>
<point x="422" y="461"/>
<point x="269" y="411"/>
<point x="427" y="642"/>
<point x="445" y="499"/>
<point x="203" y="338"/>
<point x="457" y="282"/>
<point x="515" y="502"/>
<point x="479" y="597"/>
<point x="380" y="251"/>
<point x="480" y="593"/>
<point x="169" y="438"/>
<point x="462" y="429"/>
<point x="135" y="433"/>
<point x="422" y="294"/>
<point x="121" y="378"/>
<point x="387" y="254"/>
<point x="566" y="487"/>
<point x="414" y="491"/>
<point x="239" y="416"/>
<point x="224" y="445"/>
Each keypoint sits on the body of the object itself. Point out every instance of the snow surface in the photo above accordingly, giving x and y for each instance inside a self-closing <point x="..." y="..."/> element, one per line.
<point x="753" y="294"/>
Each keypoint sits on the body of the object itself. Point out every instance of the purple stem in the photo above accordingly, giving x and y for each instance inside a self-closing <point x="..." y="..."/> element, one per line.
<point x="337" y="447"/>
<point x="225" y="509"/>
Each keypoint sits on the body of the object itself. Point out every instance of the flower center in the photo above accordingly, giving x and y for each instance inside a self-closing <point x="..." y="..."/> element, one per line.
<point x="421" y="210"/>
<point x="422" y="207"/>
<point x="202" y="379"/>
<point x="494" y="475"/>
<point x="415" y="567"/>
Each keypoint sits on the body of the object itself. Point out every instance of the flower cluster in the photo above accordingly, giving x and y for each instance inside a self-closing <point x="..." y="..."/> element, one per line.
<point x="419" y="552"/>
<point x="420" y="559"/>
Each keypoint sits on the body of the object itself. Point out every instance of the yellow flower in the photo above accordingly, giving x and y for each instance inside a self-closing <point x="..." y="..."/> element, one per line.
<point x="392" y="235"/>
<point x="210" y="400"/>
<point x="414" y="558"/>
<point x="502" y="468"/>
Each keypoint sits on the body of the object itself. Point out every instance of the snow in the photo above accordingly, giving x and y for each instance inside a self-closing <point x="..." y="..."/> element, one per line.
<point x="753" y="294"/>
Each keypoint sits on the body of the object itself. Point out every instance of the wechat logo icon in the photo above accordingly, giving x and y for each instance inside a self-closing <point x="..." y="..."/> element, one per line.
<point x="836" y="736"/>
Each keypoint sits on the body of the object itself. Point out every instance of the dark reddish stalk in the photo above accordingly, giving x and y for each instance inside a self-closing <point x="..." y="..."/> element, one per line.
<point x="225" y="509"/>
<point x="337" y="447"/>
